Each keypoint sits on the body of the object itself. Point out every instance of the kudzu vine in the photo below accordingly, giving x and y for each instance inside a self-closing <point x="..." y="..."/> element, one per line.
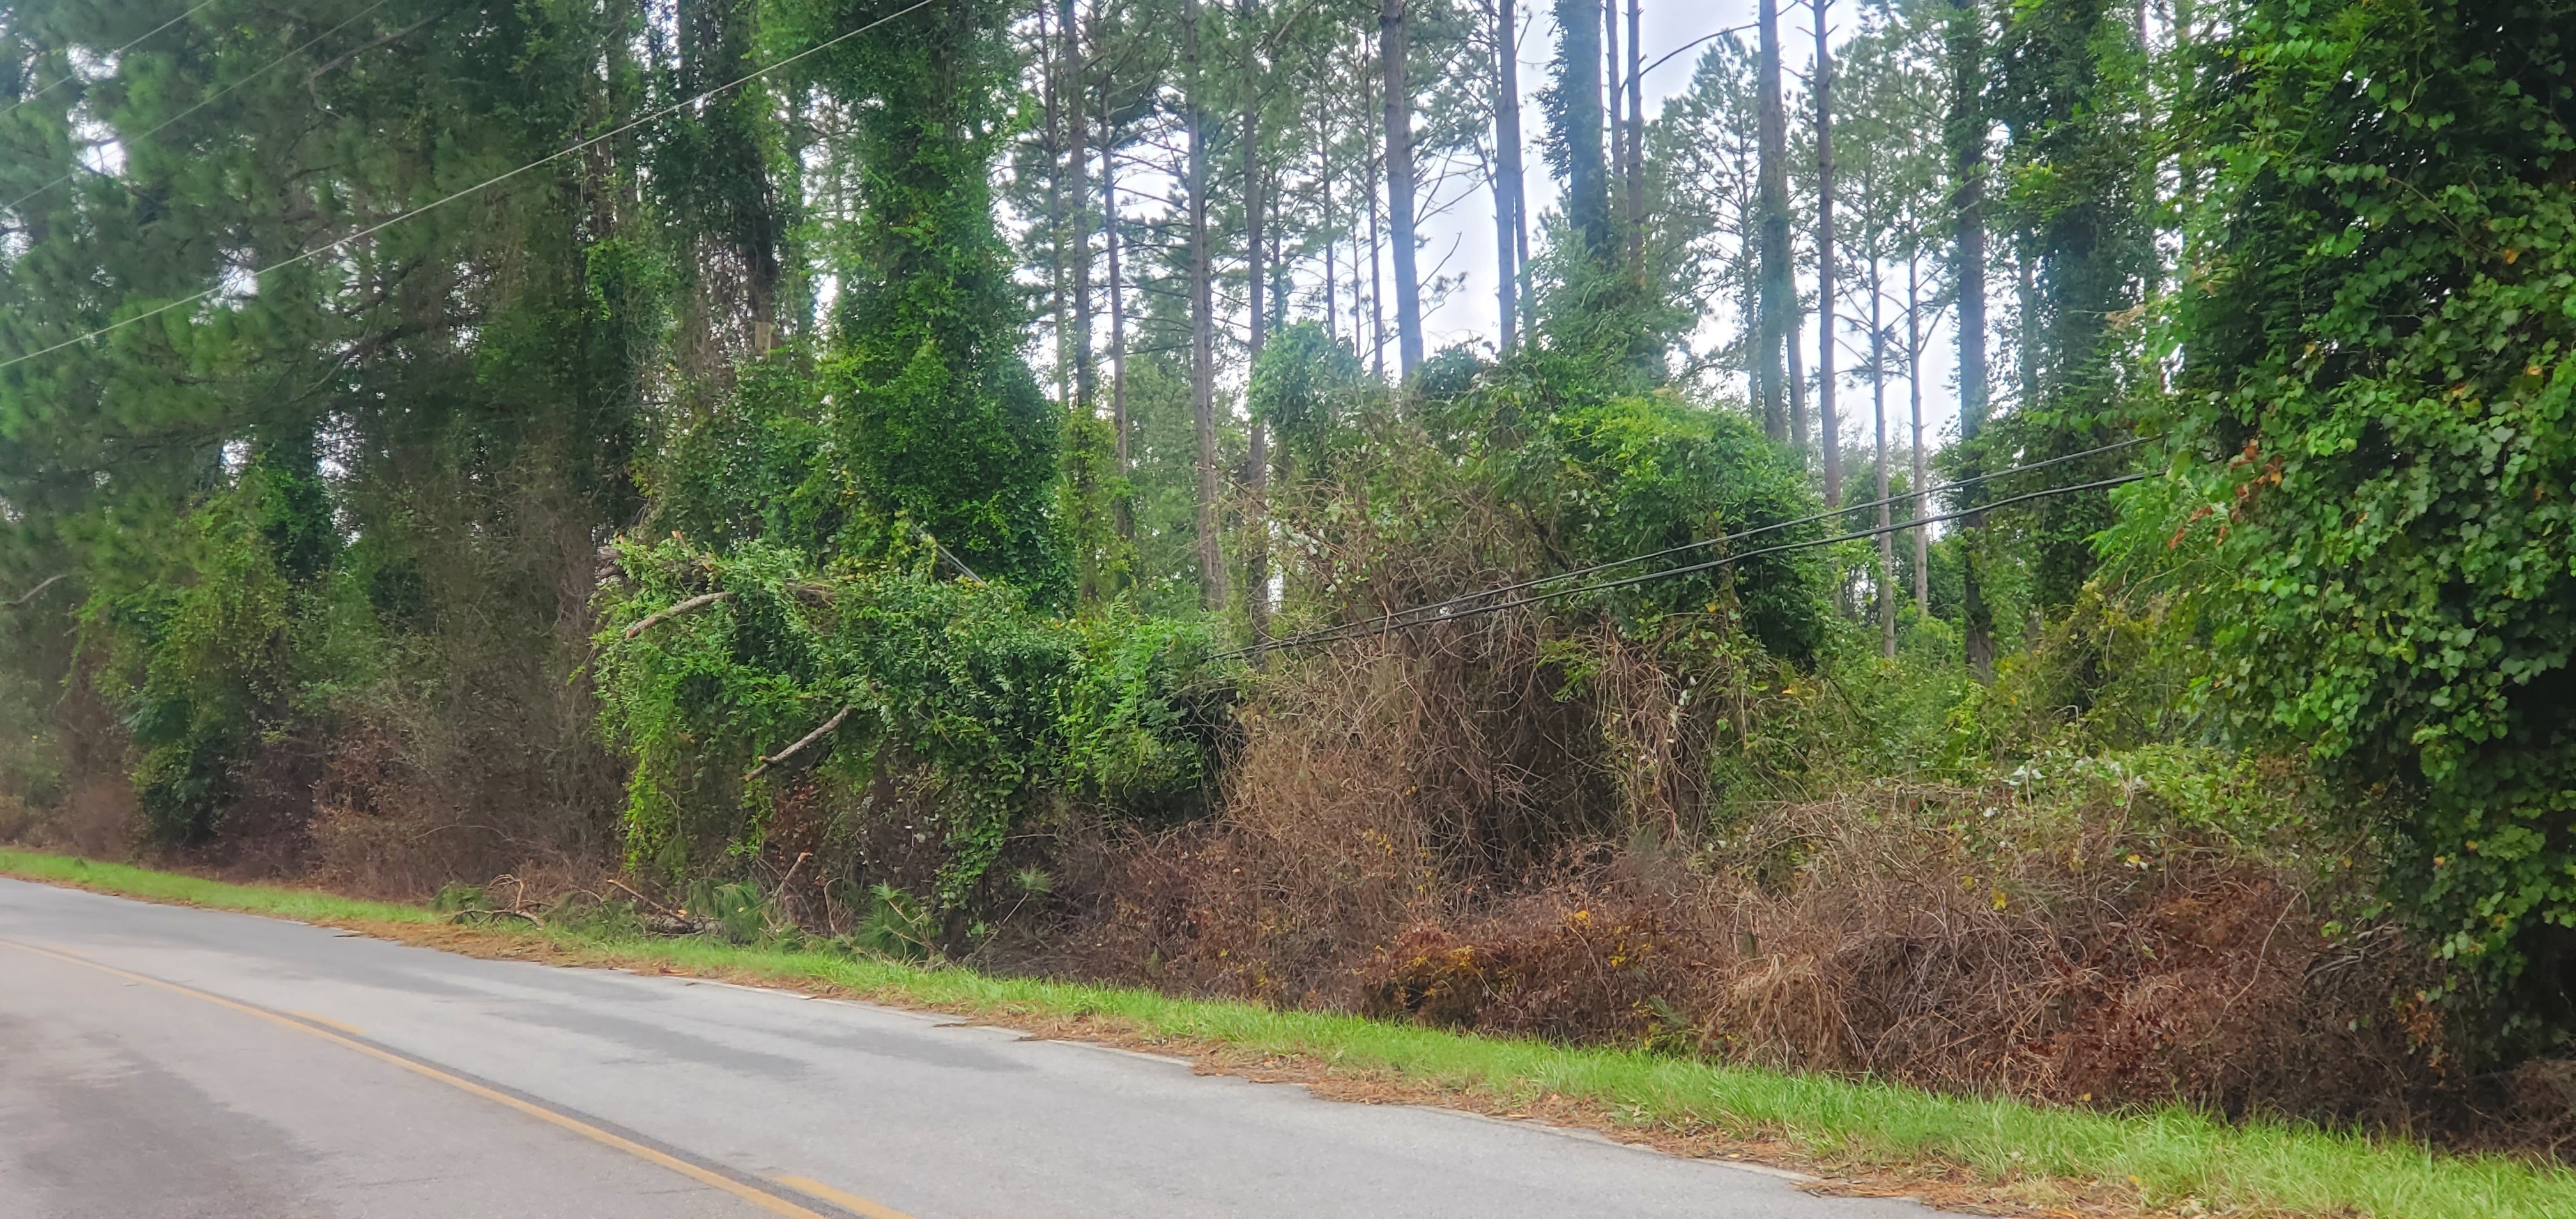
<point x="732" y="679"/>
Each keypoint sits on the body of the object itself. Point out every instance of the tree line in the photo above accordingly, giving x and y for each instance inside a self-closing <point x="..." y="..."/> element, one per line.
<point x="369" y="370"/>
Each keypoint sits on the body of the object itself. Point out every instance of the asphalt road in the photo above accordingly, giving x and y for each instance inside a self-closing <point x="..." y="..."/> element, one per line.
<point x="159" y="1061"/>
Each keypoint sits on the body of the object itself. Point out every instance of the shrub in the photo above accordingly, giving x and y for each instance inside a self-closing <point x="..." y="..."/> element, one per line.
<point x="930" y="720"/>
<point x="2375" y="419"/>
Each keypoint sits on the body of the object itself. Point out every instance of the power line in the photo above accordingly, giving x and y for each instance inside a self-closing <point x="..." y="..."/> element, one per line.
<point x="478" y="187"/>
<point x="1668" y="55"/>
<point x="1774" y="527"/>
<point x="208" y="100"/>
<point x="1389" y="622"/>
<point x="60" y="80"/>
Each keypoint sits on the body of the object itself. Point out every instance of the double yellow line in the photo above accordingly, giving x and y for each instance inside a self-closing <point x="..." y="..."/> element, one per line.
<point x="311" y="1026"/>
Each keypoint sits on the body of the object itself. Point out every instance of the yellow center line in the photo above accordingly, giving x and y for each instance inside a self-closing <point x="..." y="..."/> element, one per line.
<point x="840" y="1198"/>
<point x="761" y="1198"/>
<point x="320" y="1019"/>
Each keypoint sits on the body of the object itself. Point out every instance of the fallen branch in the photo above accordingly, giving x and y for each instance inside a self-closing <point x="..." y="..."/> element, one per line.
<point x="466" y="915"/>
<point x="790" y="878"/>
<point x="630" y="889"/>
<point x="701" y="601"/>
<point x="30" y="594"/>
<point x="792" y="750"/>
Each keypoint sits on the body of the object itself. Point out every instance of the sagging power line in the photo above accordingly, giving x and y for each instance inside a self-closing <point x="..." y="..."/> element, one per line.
<point x="1464" y="599"/>
<point x="129" y="45"/>
<point x="1438" y="612"/>
<point x="208" y="100"/>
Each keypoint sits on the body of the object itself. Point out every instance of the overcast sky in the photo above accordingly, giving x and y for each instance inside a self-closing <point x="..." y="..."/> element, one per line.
<point x="1462" y="238"/>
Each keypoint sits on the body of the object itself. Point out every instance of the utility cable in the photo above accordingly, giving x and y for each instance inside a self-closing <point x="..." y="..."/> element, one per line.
<point x="202" y="103"/>
<point x="476" y="188"/>
<point x="1829" y="514"/>
<point x="59" y="81"/>
<point x="1388" y="622"/>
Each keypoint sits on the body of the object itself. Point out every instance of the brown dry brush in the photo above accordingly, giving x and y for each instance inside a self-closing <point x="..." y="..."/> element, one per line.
<point x="1491" y="826"/>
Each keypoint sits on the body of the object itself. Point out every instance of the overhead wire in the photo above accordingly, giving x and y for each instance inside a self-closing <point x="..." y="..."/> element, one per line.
<point x="130" y="45"/>
<point x="1774" y="527"/>
<point x="1408" y="619"/>
<point x="485" y="184"/>
<point x="202" y="103"/>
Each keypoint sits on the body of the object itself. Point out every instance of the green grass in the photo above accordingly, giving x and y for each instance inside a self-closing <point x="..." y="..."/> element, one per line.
<point x="2165" y="1159"/>
<point x="198" y="891"/>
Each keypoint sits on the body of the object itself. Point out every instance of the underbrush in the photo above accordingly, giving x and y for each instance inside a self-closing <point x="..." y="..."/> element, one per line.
<point x="1586" y="840"/>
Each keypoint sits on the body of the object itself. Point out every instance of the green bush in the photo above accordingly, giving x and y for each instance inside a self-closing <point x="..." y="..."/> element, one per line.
<point x="949" y="704"/>
<point x="2377" y="447"/>
<point x="1601" y="472"/>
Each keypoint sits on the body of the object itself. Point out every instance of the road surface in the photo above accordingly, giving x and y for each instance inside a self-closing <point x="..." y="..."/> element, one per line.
<point x="161" y="1061"/>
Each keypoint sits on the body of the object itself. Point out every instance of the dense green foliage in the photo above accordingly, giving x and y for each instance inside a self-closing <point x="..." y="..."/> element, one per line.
<point x="1603" y="475"/>
<point x="2377" y="442"/>
<point x="277" y="501"/>
<point x="932" y="408"/>
<point x="947" y="699"/>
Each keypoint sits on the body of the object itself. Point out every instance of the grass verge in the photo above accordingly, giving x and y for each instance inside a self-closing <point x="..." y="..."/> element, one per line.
<point x="1860" y="1137"/>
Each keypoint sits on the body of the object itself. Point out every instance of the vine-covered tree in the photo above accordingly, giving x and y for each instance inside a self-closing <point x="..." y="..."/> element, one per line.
<point x="2372" y="427"/>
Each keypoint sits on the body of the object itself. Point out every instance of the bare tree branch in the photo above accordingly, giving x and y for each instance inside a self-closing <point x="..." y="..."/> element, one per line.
<point x="792" y="750"/>
<point x="701" y="601"/>
<point x="30" y="594"/>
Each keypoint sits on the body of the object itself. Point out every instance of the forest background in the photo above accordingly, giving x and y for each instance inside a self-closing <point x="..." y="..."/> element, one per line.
<point x="959" y="480"/>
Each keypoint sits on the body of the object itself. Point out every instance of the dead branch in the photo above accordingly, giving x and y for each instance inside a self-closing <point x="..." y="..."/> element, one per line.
<point x="792" y="750"/>
<point x="790" y="878"/>
<point x="701" y="601"/>
<point x="630" y="889"/>
<point x="465" y="915"/>
<point x="30" y="594"/>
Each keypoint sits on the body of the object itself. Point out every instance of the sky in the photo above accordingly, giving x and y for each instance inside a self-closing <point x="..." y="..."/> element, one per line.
<point x="1460" y="240"/>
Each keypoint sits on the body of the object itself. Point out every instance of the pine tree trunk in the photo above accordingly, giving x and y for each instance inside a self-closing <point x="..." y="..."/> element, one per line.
<point x="1826" y="419"/>
<point x="1376" y="254"/>
<point x="1202" y="317"/>
<point x="1051" y="71"/>
<point x="1256" y="591"/>
<point x="1126" y="511"/>
<point x="1966" y="136"/>
<point x="1878" y="433"/>
<point x="1617" y="123"/>
<point x="1778" y="292"/>
<point x="1078" y="168"/>
<point x="1636" y="140"/>
<point x="1399" y="184"/>
<point x="1922" y="497"/>
<point x="1792" y="340"/>
<point x="1324" y="195"/>
<point x="1507" y="172"/>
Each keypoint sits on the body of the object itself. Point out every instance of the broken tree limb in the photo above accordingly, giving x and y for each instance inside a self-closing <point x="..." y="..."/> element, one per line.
<point x="792" y="750"/>
<point x="30" y="594"/>
<point x="701" y="601"/>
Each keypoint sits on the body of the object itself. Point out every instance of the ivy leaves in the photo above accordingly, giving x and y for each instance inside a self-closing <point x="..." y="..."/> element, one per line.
<point x="875" y="678"/>
<point x="2381" y="359"/>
